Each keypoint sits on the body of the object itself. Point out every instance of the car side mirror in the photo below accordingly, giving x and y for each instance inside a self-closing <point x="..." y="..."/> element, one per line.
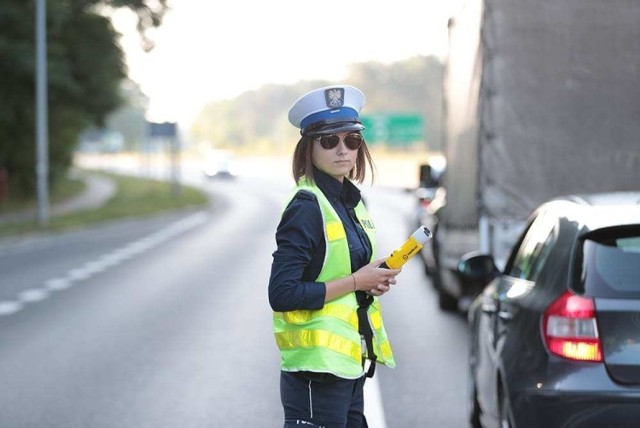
<point x="426" y="177"/>
<point x="478" y="267"/>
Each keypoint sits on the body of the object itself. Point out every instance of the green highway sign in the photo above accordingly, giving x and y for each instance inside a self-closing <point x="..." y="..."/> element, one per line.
<point x="394" y="129"/>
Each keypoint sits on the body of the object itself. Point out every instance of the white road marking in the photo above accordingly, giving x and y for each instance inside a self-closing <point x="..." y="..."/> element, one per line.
<point x="57" y="284"/>
<point x="79" y="274"/>
<point x="89" y="269"/>
<point x="373" y="409"/>
<point x="94" y="267"/>
<point x="33" y="295"/>
<point x="9" y="307"/>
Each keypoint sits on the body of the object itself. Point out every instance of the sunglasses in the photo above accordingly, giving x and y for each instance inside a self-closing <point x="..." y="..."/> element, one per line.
<point x="353" y="141"/>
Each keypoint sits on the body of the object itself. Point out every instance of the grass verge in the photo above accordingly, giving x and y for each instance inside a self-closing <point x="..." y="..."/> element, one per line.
<point x="135" y="197"/>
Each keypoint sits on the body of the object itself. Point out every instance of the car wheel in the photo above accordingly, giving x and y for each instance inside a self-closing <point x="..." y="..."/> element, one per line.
<point x="474" y="406"/>
<point x="431" y="266"/>
<point x="446" y="302"/>
<point x="505" y="412"/>
<point x="427" y="270"/>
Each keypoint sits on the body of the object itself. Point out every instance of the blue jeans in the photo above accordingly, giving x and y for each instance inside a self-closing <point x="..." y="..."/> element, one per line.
<point x="322" y="400"/>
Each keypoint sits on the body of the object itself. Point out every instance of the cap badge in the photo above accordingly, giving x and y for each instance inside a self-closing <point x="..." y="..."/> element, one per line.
<point x="334" y="97"/>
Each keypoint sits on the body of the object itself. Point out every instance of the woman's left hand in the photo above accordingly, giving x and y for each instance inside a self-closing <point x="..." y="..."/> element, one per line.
<point x="380" y="289"/>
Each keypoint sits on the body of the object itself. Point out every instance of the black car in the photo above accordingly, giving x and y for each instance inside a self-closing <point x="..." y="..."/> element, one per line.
<point x="555" y="337"/>
<point x="429" y="217"/>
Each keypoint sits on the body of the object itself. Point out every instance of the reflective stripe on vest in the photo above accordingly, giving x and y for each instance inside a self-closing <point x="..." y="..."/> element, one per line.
<point x="327" y="339"/>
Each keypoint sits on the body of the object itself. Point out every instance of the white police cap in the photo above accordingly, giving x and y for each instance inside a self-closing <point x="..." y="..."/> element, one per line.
<point x="328" y="110"/>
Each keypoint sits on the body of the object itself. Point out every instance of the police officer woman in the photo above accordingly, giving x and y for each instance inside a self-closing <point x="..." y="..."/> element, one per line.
<point x="325" y="280"/>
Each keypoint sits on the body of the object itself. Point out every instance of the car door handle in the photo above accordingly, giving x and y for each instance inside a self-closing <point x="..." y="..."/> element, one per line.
<point x="505" y="315"/>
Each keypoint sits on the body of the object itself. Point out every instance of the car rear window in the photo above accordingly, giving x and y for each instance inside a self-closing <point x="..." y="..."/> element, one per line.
<point x="609" y="263"/>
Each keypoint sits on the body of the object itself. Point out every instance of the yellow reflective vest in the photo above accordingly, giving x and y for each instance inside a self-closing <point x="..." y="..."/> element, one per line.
<point x="327" y="340"/>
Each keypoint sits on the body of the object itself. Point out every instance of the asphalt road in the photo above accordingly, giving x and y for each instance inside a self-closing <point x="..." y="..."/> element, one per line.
<point x="165" y="323"/>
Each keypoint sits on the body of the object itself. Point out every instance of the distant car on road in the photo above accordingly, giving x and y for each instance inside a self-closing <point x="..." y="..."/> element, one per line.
<point x="555" y="337"/>
<point x="430" y="198"/>
<point x="454" y="293"/>
<point x="431" y="202"/>
<point x="219" y="164"/>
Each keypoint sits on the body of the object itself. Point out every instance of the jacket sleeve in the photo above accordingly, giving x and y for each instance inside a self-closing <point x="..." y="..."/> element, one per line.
<point x="298" y="237"/>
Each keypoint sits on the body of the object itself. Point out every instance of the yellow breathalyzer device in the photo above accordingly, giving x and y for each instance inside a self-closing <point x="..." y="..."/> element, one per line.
<point x="409" y="249"/>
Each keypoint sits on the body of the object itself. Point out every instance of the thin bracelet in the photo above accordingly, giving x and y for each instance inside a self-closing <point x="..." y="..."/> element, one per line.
<point x="354" y="282"/>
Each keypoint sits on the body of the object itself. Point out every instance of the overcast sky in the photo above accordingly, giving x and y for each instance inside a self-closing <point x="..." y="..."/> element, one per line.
<point x="210" y="50"/>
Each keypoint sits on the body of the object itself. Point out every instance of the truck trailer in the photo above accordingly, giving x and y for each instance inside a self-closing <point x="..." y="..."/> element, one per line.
<point x="541" y="99"/>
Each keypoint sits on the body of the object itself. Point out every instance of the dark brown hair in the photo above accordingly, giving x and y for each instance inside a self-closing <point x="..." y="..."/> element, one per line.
<point x="302" y="164"/>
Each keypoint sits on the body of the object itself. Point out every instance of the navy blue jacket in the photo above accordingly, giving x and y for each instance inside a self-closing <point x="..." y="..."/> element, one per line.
<point x="301" y="246"/>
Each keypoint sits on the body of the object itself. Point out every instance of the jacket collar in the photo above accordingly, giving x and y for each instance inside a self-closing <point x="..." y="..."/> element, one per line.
<point x="346" y="191"/>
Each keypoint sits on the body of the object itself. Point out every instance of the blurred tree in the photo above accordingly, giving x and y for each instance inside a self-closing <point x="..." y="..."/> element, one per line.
<point x="129" y="120"/>
<point x="127" y="125"/>
<point x="251" y="117"/>
<point x="409" y="86"/>
<point x="85" y="69"/>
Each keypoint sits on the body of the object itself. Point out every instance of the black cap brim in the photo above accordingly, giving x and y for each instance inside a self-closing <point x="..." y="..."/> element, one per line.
<point x="334" y="128"/>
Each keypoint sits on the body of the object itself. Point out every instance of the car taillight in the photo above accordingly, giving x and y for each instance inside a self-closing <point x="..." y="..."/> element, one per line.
<point x="570" y="329"/>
